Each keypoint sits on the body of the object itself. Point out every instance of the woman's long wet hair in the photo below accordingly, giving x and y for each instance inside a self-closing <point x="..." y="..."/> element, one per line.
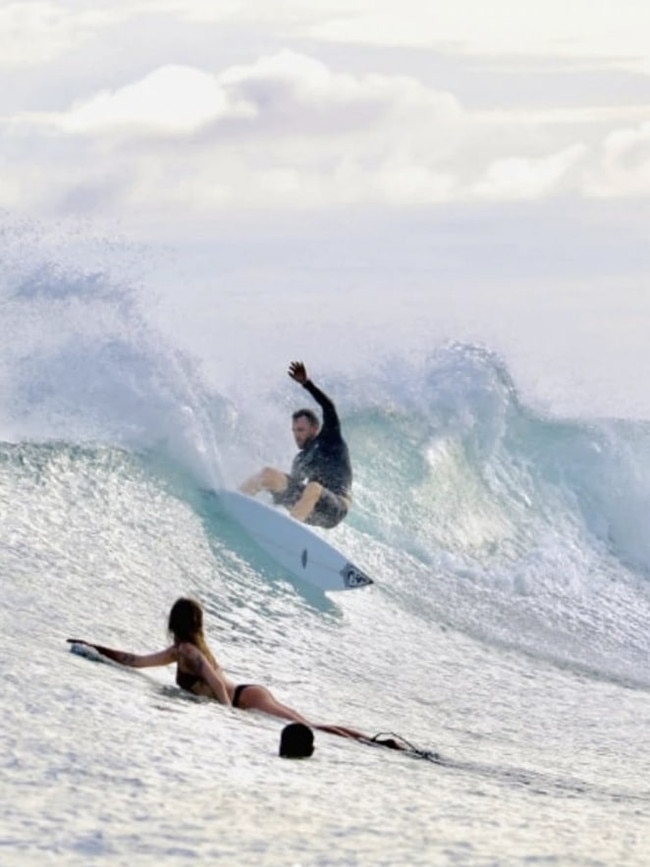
<point x="186" y="624"/>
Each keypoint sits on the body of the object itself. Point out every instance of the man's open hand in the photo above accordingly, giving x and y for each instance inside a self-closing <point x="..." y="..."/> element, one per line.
<point x="298" y="371"/>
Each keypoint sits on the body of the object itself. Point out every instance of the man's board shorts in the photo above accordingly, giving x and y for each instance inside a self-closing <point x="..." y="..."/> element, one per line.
<point x="329" y="511"/>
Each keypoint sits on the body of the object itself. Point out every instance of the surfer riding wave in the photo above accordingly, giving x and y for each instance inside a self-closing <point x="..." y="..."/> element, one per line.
<point x="317" y="490"/>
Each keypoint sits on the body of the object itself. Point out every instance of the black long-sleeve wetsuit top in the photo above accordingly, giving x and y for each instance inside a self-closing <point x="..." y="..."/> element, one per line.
<point x="326" y="459"/>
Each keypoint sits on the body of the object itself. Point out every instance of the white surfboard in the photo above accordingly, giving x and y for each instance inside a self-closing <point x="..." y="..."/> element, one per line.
<point x="293" y="545"/>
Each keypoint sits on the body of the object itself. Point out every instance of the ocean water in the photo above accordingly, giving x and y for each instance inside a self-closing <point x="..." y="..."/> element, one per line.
<point x="507" y="629"/>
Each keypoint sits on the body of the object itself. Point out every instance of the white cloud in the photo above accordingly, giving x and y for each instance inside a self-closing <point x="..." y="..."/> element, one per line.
<point x="36" y="32"/>
<point x="33" y="33"/>
<point x="623" y="168"/>
<point x="283" y="94"/>
<point x="290" y="90"/>
<point x="205" y="11"/>
<point x="288" y="132"/>
<point x="614" y="29"/>
<point x="517" y="178"/>
<point x="172" y="98"/>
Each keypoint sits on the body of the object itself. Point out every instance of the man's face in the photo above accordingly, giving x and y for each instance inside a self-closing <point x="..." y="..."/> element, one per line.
<point x="303" y="431"/>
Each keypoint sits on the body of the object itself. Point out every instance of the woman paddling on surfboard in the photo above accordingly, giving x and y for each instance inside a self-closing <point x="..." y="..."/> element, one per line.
<point x="198" y="671"/>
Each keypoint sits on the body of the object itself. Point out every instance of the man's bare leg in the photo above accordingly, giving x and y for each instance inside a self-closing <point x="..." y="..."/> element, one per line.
<point x="268" y="479"/>
<point x="305" y="505"/>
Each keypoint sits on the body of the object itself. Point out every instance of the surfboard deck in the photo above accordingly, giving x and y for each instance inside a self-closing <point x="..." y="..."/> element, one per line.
<point x="294" y="546"/>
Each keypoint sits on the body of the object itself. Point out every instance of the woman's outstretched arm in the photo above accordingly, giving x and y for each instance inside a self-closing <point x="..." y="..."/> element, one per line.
<point x="133" y="660"/>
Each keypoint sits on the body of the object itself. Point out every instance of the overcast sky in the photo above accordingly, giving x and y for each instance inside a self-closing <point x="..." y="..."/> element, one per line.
<point x="486" y="165"/>
<point x="142" y="108"/>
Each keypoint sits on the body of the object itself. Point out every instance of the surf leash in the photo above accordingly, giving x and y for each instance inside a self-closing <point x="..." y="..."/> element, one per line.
<point x="393" y="741"/>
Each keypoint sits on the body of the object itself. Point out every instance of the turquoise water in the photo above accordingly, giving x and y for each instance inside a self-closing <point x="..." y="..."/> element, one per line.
<point x="506" y="630"/>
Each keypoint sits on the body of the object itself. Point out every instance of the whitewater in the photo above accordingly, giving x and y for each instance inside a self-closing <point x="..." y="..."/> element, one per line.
<point x="507" y="629"/>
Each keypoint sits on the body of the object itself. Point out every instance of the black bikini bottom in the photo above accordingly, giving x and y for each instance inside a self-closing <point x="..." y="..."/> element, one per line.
<point x="237" y="693"/>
